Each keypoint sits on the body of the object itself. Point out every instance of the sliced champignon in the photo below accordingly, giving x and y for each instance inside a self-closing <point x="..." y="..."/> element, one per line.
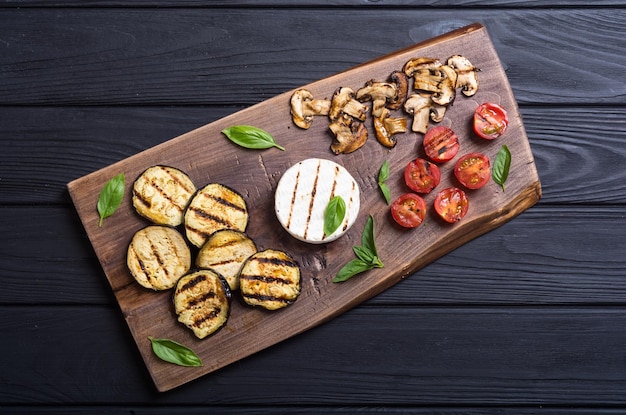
<point x="387" y="127"/>
<point x="437" y="112"/>
<point x="377" y="92"/>
<point x="419" y="106"/>
<point x="401" y="82"/>
<point x="304" y="108"/>
<point x="414" y="65"/>
<point x="344" y="102"/>
<point x="466" y="80"/>
<point x="446" y="88"/>
<point x="350" y="135"/>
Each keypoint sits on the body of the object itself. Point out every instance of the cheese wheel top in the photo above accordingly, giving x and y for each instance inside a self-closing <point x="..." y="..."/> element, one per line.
<point x="303" y="193"/>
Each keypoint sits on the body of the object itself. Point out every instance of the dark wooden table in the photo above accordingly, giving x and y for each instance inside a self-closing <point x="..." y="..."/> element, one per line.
<point x="528" y="318"/>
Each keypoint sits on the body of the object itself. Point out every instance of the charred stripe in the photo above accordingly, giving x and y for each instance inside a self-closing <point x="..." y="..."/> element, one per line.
<point x="209" y="316"/>
<point x="224" y="202"/>
<point x="268" y="298"/>
<point x="206" y="296"/>
<point x="193" y="282"/>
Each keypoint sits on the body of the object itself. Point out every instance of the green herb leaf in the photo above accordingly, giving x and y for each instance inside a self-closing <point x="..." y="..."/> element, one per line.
<point x="111" y="197"/>
<point x="334" y="214"/>
<point x="174" y="352"/>
<point x="367" y="257"/>
<point x="501" y="166"/>
<point x="367" y="238"/>
<point x="250" y="137"/>
<point x="352" y="268"/>
<point x="383" y="175"/>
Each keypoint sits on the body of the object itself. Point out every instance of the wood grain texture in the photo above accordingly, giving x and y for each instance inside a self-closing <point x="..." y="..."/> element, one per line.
<point x="255" y="176"/>
<point x="236" y="58"/>
<point x="52" y="146"/>
<point x="465" y="356"/>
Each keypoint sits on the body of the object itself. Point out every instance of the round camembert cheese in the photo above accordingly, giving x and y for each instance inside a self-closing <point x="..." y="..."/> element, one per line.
<point x="302" y="196"/>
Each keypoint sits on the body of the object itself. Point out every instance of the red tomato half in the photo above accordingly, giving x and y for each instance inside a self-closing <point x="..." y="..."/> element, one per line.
<point x="451" y="204"/>
<point x="473" y="170"/>
<point x="409" y="210"/>
<point x="441" y="144"/>
<point x="421" y="175"/>
<point x="490" y="121"/>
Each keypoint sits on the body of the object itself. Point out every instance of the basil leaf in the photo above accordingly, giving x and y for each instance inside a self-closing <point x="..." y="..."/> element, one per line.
<point x="367" y="257"/>
<point x="250" y="137"/>
<point x="363" y="254"/>
<point x="356" y="266"/>
<point x="501" y="166"/>
<point x="367" y="239"/>
<point x="173" y="352"/>
<point x="111" y="197"/>
<point x="383" y="175"/>
<point x="334" y="214"/>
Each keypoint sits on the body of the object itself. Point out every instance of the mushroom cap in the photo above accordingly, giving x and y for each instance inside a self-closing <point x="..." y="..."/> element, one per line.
<point x="350" y="135"/>
<point x="417" y="64"/>
<point x="419" y="106"/>
<point x="401" y="81"/>
<point x="467" y="79"/>
<point x="298" y="115"/>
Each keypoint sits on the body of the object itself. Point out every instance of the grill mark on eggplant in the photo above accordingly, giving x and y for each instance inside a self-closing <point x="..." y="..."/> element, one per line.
<point x="212" y="217"/>
<point x="206" y="296"/>
<point x="276" y="261"/>
<point x="141" y="199"/>
<point x="157" y="256"/>
<point x="193" y="282"/>
<point x="206" y="317"/>
<point x="268" y="298"/>
<point x="312" y="200"/>
<point x="163" y="193"/>
<point x="142" y="265"/>
<point x="177" y="180"/>
<point x="224" y="202"/>
<point x="267" y="280"/>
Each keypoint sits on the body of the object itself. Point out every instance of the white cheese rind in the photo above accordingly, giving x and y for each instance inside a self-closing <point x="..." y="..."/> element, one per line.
<point x="302" y="196"/>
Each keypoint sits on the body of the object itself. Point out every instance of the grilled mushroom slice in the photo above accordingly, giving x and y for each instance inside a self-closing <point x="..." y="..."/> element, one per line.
<point x="387" y="127"/>
<point x="401" y="81"/>
<point x="270" y="279"/>
<point x="419" y="105"/>
<point x="161" y="194"/>
<point x="377" y="92"/>
<point x="304" y="108"/>
<point x="467" y="79"/>
<point x="212" y="208"/>
<point x="225" y="251"/>
<point x="344" y="102"/>
<point x="418" y="65"/>
<point x="350" y="135"/>
<point x="446" y="89"/>
<point x="157" y="257"/>
<point x="202" y="301"/>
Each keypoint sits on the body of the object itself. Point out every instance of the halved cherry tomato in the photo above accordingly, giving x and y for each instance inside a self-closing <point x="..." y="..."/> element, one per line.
<point x="451" y="204"/>
<point x="473" y="170"/>
<point x="441" y="144"/>
<point x="490" y="121"/>
<point x="421" y="175"/>
<point x="409" y="210"/>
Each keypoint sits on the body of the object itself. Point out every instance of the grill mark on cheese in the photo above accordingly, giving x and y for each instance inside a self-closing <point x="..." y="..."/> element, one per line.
<point x="332" y="194"/>
<point x="349" y="204"/>
<point x="312" y="200"/>
<point x="293" y="198"/>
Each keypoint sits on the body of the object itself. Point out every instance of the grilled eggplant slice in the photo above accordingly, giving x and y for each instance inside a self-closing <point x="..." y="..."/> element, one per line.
<point x="161" y="194"/>
<point x="202" y="301"/>
<point x="158" y="256"/>
<point x="270" y="279"/>
<point x="212" y="208"/>
<point x="225" y="251"/>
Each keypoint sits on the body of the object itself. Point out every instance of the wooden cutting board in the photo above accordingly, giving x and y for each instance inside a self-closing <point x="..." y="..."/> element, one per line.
<point x="207" y="156"/>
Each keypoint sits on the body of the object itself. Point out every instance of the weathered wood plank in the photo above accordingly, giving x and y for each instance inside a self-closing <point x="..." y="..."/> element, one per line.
<point x="577" y="150"/>
<point x="547" y="256"/>
<point x="178" y="56"/>
<point x="410" y="356"/>
<point x="430" y="4"/>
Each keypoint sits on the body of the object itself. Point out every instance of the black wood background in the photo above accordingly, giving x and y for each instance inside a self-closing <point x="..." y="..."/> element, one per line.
<point x="529" y="318"/>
